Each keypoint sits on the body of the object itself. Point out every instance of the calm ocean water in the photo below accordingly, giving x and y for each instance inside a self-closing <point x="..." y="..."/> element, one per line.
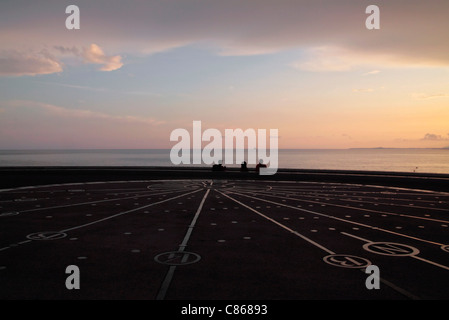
<point x="397" y="160"/>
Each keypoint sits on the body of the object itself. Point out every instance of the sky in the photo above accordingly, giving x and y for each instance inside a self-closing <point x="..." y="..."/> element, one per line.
<point x="136" y="70"/>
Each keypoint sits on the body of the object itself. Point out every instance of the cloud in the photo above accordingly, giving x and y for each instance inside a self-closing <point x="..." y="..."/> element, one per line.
<point x="424" y="96"/>
<point x="325" y="59"/>
<point x="94" y="54"/>
<point x="32" y="124"/>
<point x="73" y="86"/>
<point x="15" y="63"/>
<point x="339" y="59"/>
<point x="434" y="137"/>
<point x="412" y="31"/>
<point x="67" y="50"/>
<point x="88" y="114"/>
<point x="85" y="114"/>
<point x="31" y="63"/>
<point x="363" y="90"/>
<point x="371" y="72"/>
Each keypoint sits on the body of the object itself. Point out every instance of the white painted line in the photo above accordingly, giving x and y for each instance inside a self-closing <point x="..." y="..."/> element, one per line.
<point x="171" y="271"/>
<point x="166" y="283"/>
<point x="93" y="202"/>
<point x="431" y="262"/>
<point x="25" y="241"/>
<point x="391" y="285"/>
<point x="192" y="224"/>
<point x="344" y="220"/>
<point x="358" y="208"/>
<point x="107" y="218"/>
<point x="356" y="237"/>
<point x="411" y="255"/>
<point x="125" y="212"/>
<point x="97" y="182"/>
<point x="280" y="224"/>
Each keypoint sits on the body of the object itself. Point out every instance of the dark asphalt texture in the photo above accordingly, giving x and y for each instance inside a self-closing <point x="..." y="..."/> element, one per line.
<point x="201" y="235"/>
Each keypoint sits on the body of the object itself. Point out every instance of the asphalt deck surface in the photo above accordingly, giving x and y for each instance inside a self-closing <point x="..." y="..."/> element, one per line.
<point x="198" y="235"/>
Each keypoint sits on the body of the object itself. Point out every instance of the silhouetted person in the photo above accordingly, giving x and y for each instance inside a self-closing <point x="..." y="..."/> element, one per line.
<point x="243" y="166"/>
<point x="260" y="165"/>
<point x="218" y="167"/>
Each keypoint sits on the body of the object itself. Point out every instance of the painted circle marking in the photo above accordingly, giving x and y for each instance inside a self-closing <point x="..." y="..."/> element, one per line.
<point x="177" y="258"/>
<point x="445" y="247"/>
<point x="47" y="235"/>
<point x="391" y="249"/>
<point x="346" y="261"/>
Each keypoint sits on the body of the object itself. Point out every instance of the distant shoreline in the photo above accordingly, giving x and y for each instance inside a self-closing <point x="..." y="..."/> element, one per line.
<point x="168" y="149"/>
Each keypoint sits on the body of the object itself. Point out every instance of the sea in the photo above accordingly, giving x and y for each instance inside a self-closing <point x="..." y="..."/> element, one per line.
<point x="380" y="159"/>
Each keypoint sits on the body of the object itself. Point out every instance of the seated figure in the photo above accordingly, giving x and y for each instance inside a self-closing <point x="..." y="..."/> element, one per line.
<point x="260" y="165"/>
<point x="218" y="167"/>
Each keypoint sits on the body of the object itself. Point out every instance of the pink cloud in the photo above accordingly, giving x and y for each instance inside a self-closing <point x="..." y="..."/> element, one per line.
<point x="15" y="63"/>
<point x="94" y="54"/>
<point x="40" y="125"/>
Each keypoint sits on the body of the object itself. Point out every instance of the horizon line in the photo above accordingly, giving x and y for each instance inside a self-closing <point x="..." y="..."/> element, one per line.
<point x="351" y="148"/>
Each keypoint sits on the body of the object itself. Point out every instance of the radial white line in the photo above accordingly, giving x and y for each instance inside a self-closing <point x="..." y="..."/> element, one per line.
<point x="356" y="185"/>
<point x="361" y="209"/>
<point x="279" y="224"/>
<point x="354" y="193"/>
<point x="356" y="237"/>
<point x="166" y="283"/>
<point x="397" y="205"/>
<point x="358" y="208"/>
<point x="423" y="192"/>
<point x="317" y="194"/>
<point x="110" y="217"/>
<point x="192" y="224"/>
<point x="96" y="201"/>
<point x="412" y="256"/>
<point x="125" y="212"/>
<point x="391" y="285"/>
<point x="400" y="290"/>
<point x="143" y="191"/>
<point x="97" y="182"/>
<point x="25" y="241"/>
<point x="344" y="220"/>
<point x="171" y="271"/>
<point x="430" y="262"/>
